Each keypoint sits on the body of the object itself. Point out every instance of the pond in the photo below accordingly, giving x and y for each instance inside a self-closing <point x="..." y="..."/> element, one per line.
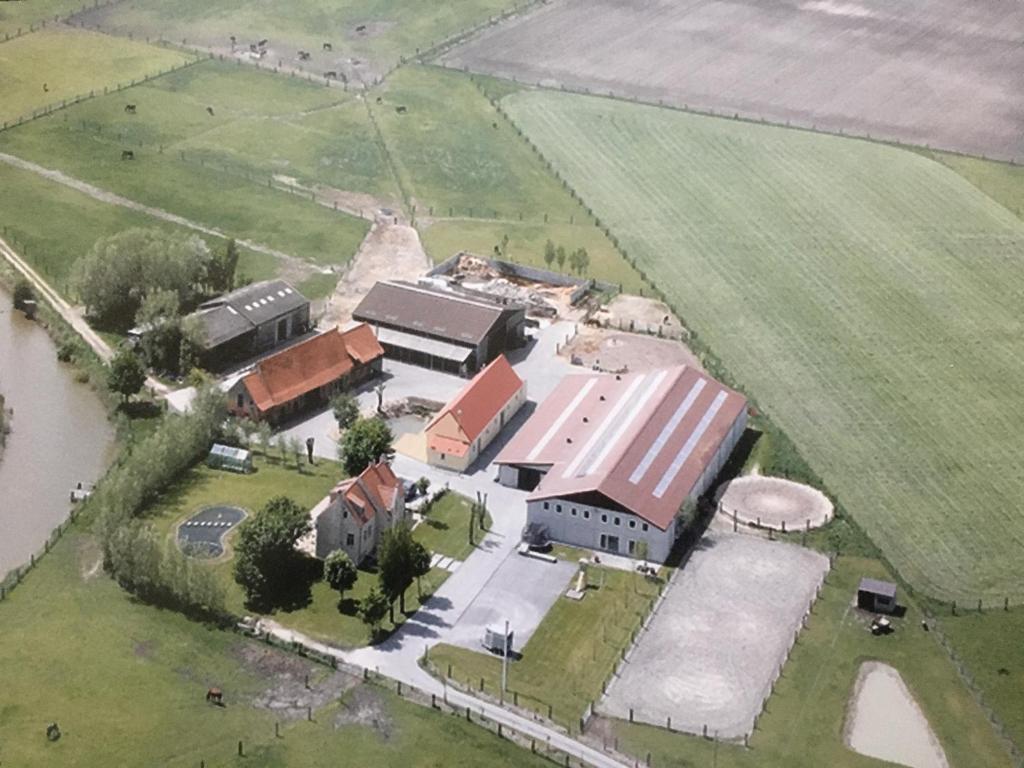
<point x="59" y="436"/>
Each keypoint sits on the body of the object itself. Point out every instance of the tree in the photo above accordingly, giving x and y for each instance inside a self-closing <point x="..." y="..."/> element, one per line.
<point x="160" y="321"/>
<point x="222" y="266"/>
<point x="23" y="291"/>
<point x="118" y="273"/>
<point x="560" y="257"/>
<point x="423" y="485"/>
<point x="396" y="563"/>
<point x="373" y="608"/>
<point x="298" y="451"/>
<point x="420" y="560"/>
<point x="340" y="572"/>
<point x="265" y="556"/>
<point x="549" y="253"/>
<point x="346" y="410"/>
<point x="364" y="443"/>
<point x="126" y="374"/>
<point x="584" y="261"/>
<point x="641" y="552"/>
<point x="265" y="434"/>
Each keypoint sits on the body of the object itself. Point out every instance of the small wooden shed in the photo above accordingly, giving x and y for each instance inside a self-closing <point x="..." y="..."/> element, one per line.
<point x="876" y="596"/>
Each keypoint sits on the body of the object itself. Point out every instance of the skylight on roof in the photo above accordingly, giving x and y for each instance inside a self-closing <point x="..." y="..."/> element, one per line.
<point x="281" y="294"/>
<point x="248" y="307"/>
<point x="287" y="290"/>
<point x="232" y="310"/>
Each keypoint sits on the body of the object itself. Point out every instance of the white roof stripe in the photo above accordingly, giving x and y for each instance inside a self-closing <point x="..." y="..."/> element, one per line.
<point x="691" y="443"/>
<point x="627" y="422"/>
<point x="557" y="424"/>
<point x="599" y="433"/>
<point x="666" y="432"/>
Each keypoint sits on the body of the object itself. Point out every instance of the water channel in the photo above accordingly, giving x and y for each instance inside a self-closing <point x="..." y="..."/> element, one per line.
<point x="60" y="436"/>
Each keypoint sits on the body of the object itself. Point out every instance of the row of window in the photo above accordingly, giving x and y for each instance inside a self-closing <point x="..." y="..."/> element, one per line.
<point x="604" y="518"/>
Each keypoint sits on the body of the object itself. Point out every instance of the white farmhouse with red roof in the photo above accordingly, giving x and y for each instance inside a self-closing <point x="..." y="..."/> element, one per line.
<point x="468" y="424"/>
<point x="612" y="460"/>
<point x="356" y="512"/>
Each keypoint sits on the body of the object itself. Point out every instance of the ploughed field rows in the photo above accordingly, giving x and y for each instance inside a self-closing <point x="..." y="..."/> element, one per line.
<point x="366" y="38"/>
<point x="866" y="296"/>
<point x="943" y="72"/>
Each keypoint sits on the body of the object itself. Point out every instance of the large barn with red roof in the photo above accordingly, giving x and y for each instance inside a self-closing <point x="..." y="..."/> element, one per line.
<point x="611" y="460"/>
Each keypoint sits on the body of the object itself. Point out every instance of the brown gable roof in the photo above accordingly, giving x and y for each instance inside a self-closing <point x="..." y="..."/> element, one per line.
<point x="479" y="401"/>
<point x="310" y="364"/>
<point x="372" y="491"/>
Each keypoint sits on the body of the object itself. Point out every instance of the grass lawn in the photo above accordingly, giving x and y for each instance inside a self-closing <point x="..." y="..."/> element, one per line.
<point x="803" y="723"/>
<point x="866" y="296"/>
<point x="320" y="616"/>
<point x="1003" y="182"/>
<point x="572" y="653"/>
<point x="126" y="682"/>
<point x="20" y="15"/>
<point x="218" y="188"/>
<point x="69" y="63"/>
<point x="990" y="646"/>
<point x="446" y="527"/>
<point x="393" y="27"/>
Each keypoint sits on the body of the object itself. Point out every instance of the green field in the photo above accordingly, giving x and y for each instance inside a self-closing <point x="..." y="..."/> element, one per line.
<point x="866" y="296"/>
<point x="393" y="28"/>
<point x="86" y="142"/>
<point x="445" y="528"/>
<point x="126" y="681"/>
<point x="15" y="15"/>
<point x="802" y="725"/>
<point x="572" y="653"/>
<point x="59" y="63"/>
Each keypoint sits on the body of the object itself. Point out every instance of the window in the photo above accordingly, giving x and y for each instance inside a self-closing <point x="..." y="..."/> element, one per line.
<point x="618" y="520"/>
<point x="350" y="540"/>
<point x="586" y="514"/>
<point x="604" y="541"/>
<point x="604" y="518"/>
<point x="632" y="523"/>
<point x="632" y="546"/>
<point x="643" y="527"/>
<point x="547" y="505"/>
<point x="241" y="400"/>
<point x="573" y="511"/>
<point x="558" y="508"/>
<point x="442" y="457"/>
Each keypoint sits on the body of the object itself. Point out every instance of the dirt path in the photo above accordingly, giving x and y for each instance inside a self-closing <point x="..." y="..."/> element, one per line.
<point x="111" y="198"/>
<point x="389" y="252"/>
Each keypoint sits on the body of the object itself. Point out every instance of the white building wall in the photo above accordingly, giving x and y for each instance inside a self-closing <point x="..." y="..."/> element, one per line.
<point x="582" y="525"/>
<point x="491" y="431"/>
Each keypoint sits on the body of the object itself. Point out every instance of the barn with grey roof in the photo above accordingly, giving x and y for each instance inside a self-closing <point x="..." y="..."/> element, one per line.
<point x="441" y="328"/>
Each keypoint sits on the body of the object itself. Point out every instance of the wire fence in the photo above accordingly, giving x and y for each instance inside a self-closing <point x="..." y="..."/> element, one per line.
<point x="13" y="578"/>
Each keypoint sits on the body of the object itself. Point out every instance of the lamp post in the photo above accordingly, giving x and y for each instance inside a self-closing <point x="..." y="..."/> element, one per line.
<point x="504" y="661"/>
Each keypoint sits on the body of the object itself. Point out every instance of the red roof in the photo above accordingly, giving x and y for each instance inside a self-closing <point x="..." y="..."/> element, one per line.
<point x="310" y="364"/>
<point x="641" y="441"/>
<point x="478" y="403"/>
<point x="373" y="490"/>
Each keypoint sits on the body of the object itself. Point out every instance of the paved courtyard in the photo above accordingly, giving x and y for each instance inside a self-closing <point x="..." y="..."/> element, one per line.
<point x="711" y="652"/>
<point x="521" y="591"/>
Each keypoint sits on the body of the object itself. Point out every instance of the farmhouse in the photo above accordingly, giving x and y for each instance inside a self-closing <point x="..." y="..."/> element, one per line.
<point x="468" y="424"/>
<point x="356" y="512"/>
<point x="441" y="328"/>
<point x="250" y="320"/>
<point x="306" y="374"/>
<point x="614" y="460"/>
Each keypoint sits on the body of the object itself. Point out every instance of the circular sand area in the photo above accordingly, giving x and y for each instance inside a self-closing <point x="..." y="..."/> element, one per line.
<point x="772" y="502"/>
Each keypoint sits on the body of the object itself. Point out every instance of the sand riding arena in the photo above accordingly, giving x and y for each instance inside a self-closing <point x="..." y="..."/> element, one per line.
<point x="773" y="502"/>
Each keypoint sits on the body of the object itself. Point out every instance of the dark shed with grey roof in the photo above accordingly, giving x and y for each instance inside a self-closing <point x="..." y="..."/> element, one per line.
<point x="876" y="596"/>
<point x="252" y="319"/>
<point x="441" y="328"/>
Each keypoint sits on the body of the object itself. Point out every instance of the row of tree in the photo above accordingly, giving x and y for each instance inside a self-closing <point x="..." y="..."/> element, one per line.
<point x="579" y="260"/>
<point x="141" y="560"/>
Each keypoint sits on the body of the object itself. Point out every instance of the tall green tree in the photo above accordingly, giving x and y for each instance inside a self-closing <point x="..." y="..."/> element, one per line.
<point x="346" y="409"/>
<point x="340" y="572"/>
<point x="549" y="253"/>
<point x="364" y="443"/>
<point x="396" y="563"/>
<point x="126" y="374"/>
<point x="420" y="560"/>
<point x="560" y="256"/>
<point x="265" y="556"/>
<point x="373" y="608"/>
<point x="160" y="320"/>
<point x="222" y="266"/>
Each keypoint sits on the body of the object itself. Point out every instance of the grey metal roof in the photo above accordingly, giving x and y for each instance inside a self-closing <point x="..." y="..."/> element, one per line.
<point x="876" y="587"/>
<point x="430" y="311"/>
<point x="234" y="314"/>
<point x="433" y="347"/>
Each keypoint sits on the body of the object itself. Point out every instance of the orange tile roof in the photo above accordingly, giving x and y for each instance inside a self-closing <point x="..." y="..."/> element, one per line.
<point x="448" y="445"/>
<point x="482" y="398"/>
<point x="310" y="364"/>
<point x="374" y="489"/>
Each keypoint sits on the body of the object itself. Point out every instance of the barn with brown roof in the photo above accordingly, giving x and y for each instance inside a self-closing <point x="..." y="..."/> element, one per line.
<point x="307" y="374"/>
<point x="442" y="328"/>
<point x="615" y="461"/>
<point x="467" y="425"/>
